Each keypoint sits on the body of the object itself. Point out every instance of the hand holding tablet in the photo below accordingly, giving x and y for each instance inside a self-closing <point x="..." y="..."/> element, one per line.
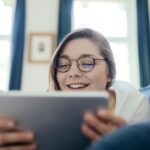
<point x="55" y="118"/>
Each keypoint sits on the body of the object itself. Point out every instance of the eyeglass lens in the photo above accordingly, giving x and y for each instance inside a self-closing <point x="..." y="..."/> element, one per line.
<point x="84" y="64"/>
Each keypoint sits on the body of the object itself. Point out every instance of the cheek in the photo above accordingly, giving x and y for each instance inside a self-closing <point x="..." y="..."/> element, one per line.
<point x="100" y="77"/>
<point x="102" y="72"/>
<point x="106" y="72"/>
<point x="58" y="76"/>
<point x="60" y="79"/>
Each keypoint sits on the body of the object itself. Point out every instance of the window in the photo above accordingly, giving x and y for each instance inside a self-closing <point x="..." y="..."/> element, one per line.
<point x="116" y="20"/>
<point x="5" y="40"/>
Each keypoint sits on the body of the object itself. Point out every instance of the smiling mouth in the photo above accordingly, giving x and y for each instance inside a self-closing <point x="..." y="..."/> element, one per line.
<point x="77" y="86"/>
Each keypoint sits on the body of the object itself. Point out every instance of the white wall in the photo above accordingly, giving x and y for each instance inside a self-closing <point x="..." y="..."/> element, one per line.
<point x="41" y="16"/>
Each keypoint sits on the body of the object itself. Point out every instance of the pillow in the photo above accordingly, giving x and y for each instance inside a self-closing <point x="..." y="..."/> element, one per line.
<point x="146" y="91"/>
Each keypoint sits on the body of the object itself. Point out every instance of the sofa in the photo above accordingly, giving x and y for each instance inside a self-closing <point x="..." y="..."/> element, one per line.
<point x="146" y="91"/>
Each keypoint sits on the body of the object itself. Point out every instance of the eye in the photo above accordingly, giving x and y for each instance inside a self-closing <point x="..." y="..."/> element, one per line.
<point x="63" y="65"/>
<point x="87" y="65"/>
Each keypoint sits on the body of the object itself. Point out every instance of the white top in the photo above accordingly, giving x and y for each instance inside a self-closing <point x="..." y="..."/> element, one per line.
<point x="130" y="103"/>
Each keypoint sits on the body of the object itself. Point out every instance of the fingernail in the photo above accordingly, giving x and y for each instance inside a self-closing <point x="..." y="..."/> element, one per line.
<point x="11" y="124"/>
<point x="30" y="135"/>
<point x="102" y="112"/>
<point x="33" y="146"/>
<point x="87" y="116"/>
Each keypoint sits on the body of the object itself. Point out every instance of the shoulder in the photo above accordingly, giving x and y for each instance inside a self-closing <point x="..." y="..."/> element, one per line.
<point x="126" y="92"/>
<point x="123" y="86"/>
<point x="130" y="103"/>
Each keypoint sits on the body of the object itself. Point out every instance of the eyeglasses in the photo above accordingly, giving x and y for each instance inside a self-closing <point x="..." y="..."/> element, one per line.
<point x="84" y="63"/>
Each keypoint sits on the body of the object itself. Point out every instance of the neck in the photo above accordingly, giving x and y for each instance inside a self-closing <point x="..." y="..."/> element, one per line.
<point x="112" y="100"/>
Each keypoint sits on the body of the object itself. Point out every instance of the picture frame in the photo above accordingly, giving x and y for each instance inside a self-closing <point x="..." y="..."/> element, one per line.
<point x="41" y="47"/>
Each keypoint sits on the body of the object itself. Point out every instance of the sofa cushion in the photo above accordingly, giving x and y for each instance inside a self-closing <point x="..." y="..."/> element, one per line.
<point x="146" y="91"/>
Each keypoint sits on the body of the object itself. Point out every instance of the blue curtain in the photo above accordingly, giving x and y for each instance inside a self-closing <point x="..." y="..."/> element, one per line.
<point x="143" y="41"/>
<point x="64" y="19"/>
<point x="17" y="46"/>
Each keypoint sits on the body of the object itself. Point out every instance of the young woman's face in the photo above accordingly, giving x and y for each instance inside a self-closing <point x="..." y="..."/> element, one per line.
<point x="74" y="79"/>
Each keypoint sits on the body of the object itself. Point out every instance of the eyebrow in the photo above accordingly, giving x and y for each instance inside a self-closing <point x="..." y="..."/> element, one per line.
<point x="64" y="56"/>
<point x="83" y="55"/>
<point x="87" y="55"/>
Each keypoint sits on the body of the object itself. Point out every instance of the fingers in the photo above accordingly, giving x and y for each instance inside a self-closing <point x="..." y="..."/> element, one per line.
<point x="99" y="126"/>
<point x="15" y="137"/>
<point x="6" y="124"/>
<point x="109" y="117"/>
<point x="90" y="133"/>
<point x="26" y="147"/>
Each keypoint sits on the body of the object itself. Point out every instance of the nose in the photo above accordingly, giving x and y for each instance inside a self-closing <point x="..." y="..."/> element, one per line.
<point x="74" y="71"/>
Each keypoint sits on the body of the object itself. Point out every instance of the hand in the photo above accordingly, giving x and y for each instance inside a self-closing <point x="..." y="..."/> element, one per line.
<point x="96" y="126"/>
<point x="12" y="138"/>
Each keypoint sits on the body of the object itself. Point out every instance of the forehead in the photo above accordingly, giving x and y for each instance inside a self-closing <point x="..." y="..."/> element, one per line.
<point x="77" y="47"/>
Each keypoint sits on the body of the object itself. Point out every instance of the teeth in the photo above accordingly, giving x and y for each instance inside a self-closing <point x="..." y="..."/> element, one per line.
<point x="75" y="86"/>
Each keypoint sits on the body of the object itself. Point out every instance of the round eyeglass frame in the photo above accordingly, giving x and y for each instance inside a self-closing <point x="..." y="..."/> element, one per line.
<point x="78" y="65"/>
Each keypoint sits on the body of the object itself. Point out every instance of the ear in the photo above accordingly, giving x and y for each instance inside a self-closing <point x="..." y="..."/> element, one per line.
<point x="109" y="79"/>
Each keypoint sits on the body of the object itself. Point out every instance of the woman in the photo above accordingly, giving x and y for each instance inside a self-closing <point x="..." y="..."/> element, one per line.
<point x="84" y="62"/>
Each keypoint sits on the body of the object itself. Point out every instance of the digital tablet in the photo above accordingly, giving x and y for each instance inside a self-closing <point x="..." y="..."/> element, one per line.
<point x="55" y="118"/>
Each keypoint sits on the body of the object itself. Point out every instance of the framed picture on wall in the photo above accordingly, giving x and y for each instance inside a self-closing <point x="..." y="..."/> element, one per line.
<point x="41" y="47"/>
